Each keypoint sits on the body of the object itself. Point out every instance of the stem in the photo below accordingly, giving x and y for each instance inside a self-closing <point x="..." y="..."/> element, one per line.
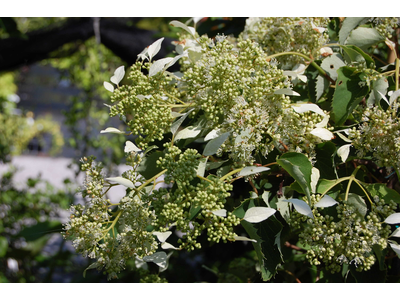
<point x="150" y="180"/>
<point x="203" y="178"/>
<point x="230" y="174"/>
<point x="365" y="192"/>
<point x="173" y="97"/>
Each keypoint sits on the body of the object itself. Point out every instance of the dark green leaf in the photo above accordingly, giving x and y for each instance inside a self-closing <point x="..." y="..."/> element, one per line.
<point x="3" y="246"/>
<point x="351" y="88"/>
<point x="299" y="167"/>
<point x="383" y="192"/>
<point x="39" y="230"/>
<point x="148" y="167"/>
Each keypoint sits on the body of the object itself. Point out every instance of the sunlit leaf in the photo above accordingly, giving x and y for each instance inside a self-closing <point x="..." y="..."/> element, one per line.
<point x="219" y="213"/>
<point x="322" y="133"/>
<point x="258" y="214"/>
<point x="393" y="219"/>
<point x="287" y="92"/>
<point x="188" y="132"/>
<point x="301" y="207"/>
<point x="326" y="201"/>
<point x="315" y="174"/>
<point x="154" y="48"/>
<point x="305" y="107"/>
<point x="118" y="75"/>
<point x="395" y="247"/>
<point x="244" y="239"/>
<point x="131" y="147"/>
<point x="344" y="151"/>
<point x="159" y="65"/>
<point x="396" y="233"/>
<point x="162" y="236"/>
<point x="122" y="181"/>
<point x="252" y="170"/>
<point x="108" y="86"/>
<point x="167" y="246"/>
<point x="201" y="169"/>
<point x="112" y="130"/>
<point x="189" y="29"/>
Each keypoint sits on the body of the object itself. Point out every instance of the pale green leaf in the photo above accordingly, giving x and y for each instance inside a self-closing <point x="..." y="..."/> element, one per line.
<point x="212" y="146"/>
<point x="175" y="126"/>
<point x="322" y="133"/>
<point x="331" y="64"/>
<point x="159" y="258"/>
<point x="348" y="25"/>
<point x="315" y="174"/>
<point x="118" y="75"/>
<point x="396" y="233"/>
<point x="122" y="181"/>
<point x="189" y="29"/>
<point x="108" y="86"/>
<point x="112" y="130"/>
<point x="364" y="37"/>
<point x="344" y="151"/>
<point x="393" y="219"/>
<point x="301" y="207"/>
<point x="258" y="214"/>
<point x="201" y="169"/>
<point x="219" y="213"/>
<point x="154" y="48"/>
<point x="166" y="246"/>
<point x="244" y="239"/>
<point x="395" y="247"/>
<point x="159" y="65"/>
<point x="162" y="236"/>
<point x="188" y="132"/>
<point x="326" y="201"/>
<point x="131" y="147"/>
<point x="287" y="92"/>
<point x="252" y="170"/>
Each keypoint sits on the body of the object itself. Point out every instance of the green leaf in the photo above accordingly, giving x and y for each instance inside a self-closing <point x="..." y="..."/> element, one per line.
<point x="378" y="86"/>
<point x="364" y="37"/>
<point x="359" y="203"/>
<point x="39" y="230"/>
<point x="213" y="145"/>
<point x="350" y="89"/>
<point x="355" y="54"/>
<point x="331" y="65"/>
<point x="300" y="168"/>
<point x="175" y="126"/>
<point x="92" y="266"/>
<point x="3" y="246"/>
<point x="258" y="214"/>
<point x="252" y="170"/>
<point x="148" y="167"/>
<point x="348" y="25"/>
<point x="383" y="192"/>
<point x="188" y="133"/>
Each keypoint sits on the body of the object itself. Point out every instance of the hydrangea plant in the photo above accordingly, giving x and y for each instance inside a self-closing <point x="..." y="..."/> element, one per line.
<point x="299" y="115"/>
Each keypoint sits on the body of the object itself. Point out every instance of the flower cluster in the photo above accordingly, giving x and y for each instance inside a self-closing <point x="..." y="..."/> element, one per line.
<point x="145" y="104"/>
<point x="346" y="237"/>
<point x="378" y="134"/>
<point x="109" y="236"/>
<point x="276" y="35"/>
<point x="194" y="203"/>
<point x="385" y="26"/>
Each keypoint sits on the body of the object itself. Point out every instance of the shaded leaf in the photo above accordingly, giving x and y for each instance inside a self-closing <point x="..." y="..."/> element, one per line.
<point x="159" y="258"/>
<point x="212" y="146"/>
<point x="350" y="89"/>
<point x="364" y="37"/>
<point x="175" y="126"/>
<point x="244" y="239"/>
<point x="348" y="25"/>
<point x="299" y="167"/>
